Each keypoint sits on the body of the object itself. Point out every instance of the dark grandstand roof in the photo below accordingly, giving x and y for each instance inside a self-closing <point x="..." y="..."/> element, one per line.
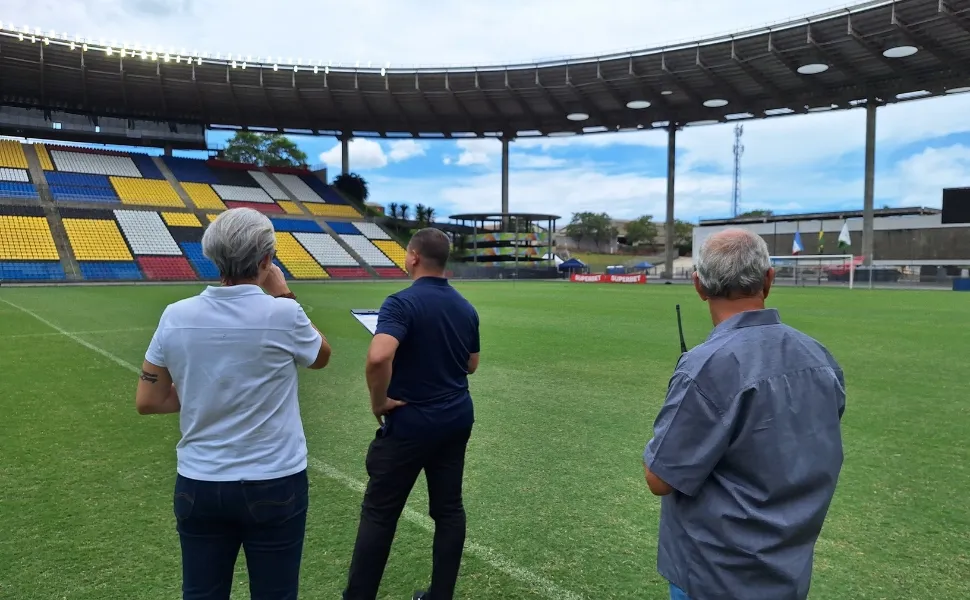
<point x="500" y="216"/>
<point x="816" y="216"/>
<point x="755" y="72"/>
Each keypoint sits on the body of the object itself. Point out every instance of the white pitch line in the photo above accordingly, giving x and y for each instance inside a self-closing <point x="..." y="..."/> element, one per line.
<point x="542" y="585"/>
<point x="88" y="332"/>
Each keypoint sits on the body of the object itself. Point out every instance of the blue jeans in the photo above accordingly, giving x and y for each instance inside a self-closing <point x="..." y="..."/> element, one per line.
<point x="266" y="518"/>
<point x="677" y="594"/>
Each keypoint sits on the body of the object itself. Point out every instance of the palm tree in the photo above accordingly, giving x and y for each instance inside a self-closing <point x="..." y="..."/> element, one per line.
<point x="419" y="214"/>
<point x="429" y="214"/>
<point x="393" y="208"/>
<point x="405" y="209"/>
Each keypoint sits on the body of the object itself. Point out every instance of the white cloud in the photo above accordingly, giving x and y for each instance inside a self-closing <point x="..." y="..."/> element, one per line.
<point x="477" y="152"/>
<point x="401" y="150"/>
<point x="364" y="154"/>
<point x="535" y="161"/>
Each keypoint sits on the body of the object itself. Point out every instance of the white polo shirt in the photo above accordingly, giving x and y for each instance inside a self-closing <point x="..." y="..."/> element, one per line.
<point x="233" y="354"/>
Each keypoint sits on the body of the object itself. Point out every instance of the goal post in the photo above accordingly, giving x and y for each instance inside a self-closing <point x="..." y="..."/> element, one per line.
<point x="815" y="269"/>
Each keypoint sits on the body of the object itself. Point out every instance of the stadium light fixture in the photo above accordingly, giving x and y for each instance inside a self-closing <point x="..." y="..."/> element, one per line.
<point x="198" y="61"/>
<point x="144" y="55"/>
<point x="72" y="46"/>
<point x="233" y="64"/>
<point x="326" y="70"/>
<point x="911" y="95"/>
<point x="666" y="93"/>
<point x="703" y="122"/>
<point x="813" y="68"/>
<point x="900" y="51"/>
<point x="715" y="103"/>
<point x="107" y="50"/>
<point x="276" y="67"/>
<point x="166" y="57"/>
<point x="562" y="133"/>
<point x="958" y="90"/>
<point x="47" y="41"/>
<point x="577" y="116"/>
<point x="638" y="104"/>
<point x="244" y="66"/>
<point x="154" y="55"/>
<point x="84" y="47"/>
<point x="316" y="69"/>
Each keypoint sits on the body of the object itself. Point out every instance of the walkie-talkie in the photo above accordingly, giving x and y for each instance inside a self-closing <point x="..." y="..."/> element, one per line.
<point x="680" y="330"/>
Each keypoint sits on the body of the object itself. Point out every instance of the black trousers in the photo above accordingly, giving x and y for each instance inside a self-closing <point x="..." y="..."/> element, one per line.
<point x="393" y="465"/>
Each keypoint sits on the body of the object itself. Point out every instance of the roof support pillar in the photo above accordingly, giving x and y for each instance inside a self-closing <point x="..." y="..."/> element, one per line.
<point x="669" y="248"/>
<point x="505" y="180"/>
<point x="345" y="153"/>
<point x="870" y="181"/>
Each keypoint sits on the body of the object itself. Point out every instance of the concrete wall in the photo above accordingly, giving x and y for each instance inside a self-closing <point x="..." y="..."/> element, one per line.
<point x="911" y="238"/>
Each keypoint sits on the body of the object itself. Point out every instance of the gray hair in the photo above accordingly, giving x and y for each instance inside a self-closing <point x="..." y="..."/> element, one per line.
<point x="237" y="241"/>
<point x="733" y="263"/>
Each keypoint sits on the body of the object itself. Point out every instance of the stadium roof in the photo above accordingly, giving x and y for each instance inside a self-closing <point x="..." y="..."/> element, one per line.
<point x="815" y="216"/>
<point x="887" y="51"/>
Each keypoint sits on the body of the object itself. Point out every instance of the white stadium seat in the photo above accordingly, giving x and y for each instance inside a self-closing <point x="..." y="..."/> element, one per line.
<point x="269" y="185"/>
<point x="371" y="254"/>
<point x="240" y="193"/>
<point x="371" y="230"/>
<point x="14" y="175"/>
<point x="96" y="164"/>
<point x="298" y="187"/>
<point x="146" y="233"/>
<point x="326" y="250"/>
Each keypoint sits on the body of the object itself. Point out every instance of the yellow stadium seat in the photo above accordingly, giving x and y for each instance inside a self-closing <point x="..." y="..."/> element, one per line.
<point x="12" y="155"/>
<point x="296" y="259"/>
<point x="393" y="250"/>
<point x="96" y="239"/>
<point x="26" y="238"/>
<point x="332" y="210"/>
<point x="203" y="196"/>
<point x="181" y="219"/>
<point x="146" y="192"/>
<point x="289" y="208"/>
<point x="45" y="158"/>
<point x="212" y="217"/>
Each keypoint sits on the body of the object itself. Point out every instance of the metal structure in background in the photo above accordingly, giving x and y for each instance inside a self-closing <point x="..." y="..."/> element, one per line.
<point x="875" y="53"/>
<point x="508" y="231"/>
<point x="738" y="151"/>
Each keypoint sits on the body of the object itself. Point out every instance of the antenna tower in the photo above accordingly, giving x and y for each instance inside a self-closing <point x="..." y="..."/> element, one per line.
<point x="738" y="151"/>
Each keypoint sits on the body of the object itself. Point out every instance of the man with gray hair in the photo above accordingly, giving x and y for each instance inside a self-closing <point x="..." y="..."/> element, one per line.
<point x="747" y="447"/>
<point x="226" y="361"/>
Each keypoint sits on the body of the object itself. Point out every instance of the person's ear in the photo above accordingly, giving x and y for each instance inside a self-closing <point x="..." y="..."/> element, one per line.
<point x="697" y="286"/>
<point x="769" y="279"/>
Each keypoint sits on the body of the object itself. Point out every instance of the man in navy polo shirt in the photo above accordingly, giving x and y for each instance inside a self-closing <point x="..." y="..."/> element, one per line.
<point x="418" y="364"/>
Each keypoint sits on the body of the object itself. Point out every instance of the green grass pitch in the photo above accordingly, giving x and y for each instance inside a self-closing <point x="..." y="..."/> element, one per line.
<point x="570" y="381"/>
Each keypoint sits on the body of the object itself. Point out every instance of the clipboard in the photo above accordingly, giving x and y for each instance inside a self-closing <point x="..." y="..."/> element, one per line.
<point x="366" y="317"/>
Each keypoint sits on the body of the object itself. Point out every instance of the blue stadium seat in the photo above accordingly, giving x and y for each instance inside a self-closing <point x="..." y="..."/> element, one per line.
<point x="280" y="224"/>
<point x="75" y="193"/>
<point x="190" y="170"/>
<point x="14" y="189"/>
<point x="323" y="190"/>
<point x="203" y="266"/>
<point x="343" y="227"/>
<point x="31" y="271"/>
<point x="110" y="270"/>
<point x="286" y="274"/>
<point x="77" y="179"/>
<point x="147" y="167"/>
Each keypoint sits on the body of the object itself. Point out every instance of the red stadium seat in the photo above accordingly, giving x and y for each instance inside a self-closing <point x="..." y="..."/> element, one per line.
<point x="169" y="268"/>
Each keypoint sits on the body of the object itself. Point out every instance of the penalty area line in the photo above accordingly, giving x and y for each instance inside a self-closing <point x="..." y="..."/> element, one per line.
<point x="538" y="583"/>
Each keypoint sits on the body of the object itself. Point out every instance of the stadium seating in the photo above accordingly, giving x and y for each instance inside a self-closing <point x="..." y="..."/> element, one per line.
<point x="326" y="250"/>
<point x="44" y="157"/>
<point x="175" y="219"/>
<point x="31" y="271"/>
<point x="16" y="189"/>
<point x="260" y="206"/>
<point x="110" y="271"/>
<point x="240" y="193"/>
<point x="298" y="187"/>
<point x="146" y="192"/>
<point x="285" y="224"/>
<point x="295" y="258"/>
<point x="371" y="231"/>
<point x="96" y="239"/>
<point x="96" y="164"/>
<point x="19" y="175"/>
<point x="12" y="155"/>
<point x="147" y="166"/>
<point x="26" y="237"/>
<point x="333" y="210"/>
<point x="190" y="170"/>
<point x="203" y="196"/>
<point x="348" y="272"/>
<point x="203" y="266"/>
<point x="146" y="233"/>
<point x="290" y="208"/>
<point x="371" y="254"/>
<point x="393" y="250"/>
<point x="167" y="268"/>
<point x="81" y="187"/>
<point x="268" y="185"/>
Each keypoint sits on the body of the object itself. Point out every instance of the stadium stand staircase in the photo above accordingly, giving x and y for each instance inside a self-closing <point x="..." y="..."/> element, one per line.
<point x="72" y="270"/>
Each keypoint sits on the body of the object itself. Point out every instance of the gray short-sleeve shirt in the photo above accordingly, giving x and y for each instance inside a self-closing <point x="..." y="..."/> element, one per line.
<point x="750" y="439"/>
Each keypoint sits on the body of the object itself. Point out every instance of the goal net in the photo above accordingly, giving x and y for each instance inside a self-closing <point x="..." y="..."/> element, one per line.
<point x="819" y="269"/>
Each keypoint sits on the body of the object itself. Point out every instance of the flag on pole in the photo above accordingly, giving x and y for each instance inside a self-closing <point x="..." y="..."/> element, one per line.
<point x="821" y="240"/>
<point x="845" y="242"/>
<point x="796" y="244"/>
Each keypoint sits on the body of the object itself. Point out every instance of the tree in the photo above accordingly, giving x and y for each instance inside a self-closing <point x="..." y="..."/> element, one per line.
<point x="683" y="236"/>
<point x="405" y="211"/>
<point x="419" y="214"/>
<point x="757" y="213"/>
<point x="641" y="230"/>
<point x="353" y="185"/>
<point x="265" y="150"/>
<point x="393" y="208"/>
<point x="595" y="227"/>
<point x="429" y="214"/>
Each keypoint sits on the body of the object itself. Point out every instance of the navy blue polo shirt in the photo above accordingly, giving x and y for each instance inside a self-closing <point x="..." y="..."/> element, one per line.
<point x="437" y="329"/>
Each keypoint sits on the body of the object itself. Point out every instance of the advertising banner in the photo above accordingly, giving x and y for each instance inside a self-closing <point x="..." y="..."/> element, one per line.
<point x="576" y="278"/>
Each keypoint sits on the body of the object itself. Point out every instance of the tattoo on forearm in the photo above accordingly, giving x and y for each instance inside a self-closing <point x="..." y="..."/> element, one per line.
<point x="149" y="377"/>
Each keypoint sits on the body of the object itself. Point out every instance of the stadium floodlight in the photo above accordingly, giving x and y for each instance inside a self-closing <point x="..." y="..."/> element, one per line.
<point x="638" y="104"/>
<point x="198" y="61"/>
<point x="233" y="64"/>
<point x="20" y="37"/>
<point x="316" y="69"/>
<point x="72" y="45"/>
<point x="715" y="103"/>
<point x="813" y="68"/>
<point x="108" y="50"/>
<point x="84" y="47"/>
<point x="166" y="58"/>
<point x="383" y="71"/>
<point x="47" y="41"/>
<point x="178" y="58"/>
<point x="326" y="70"/>
<point x="577" y="116"/>
<point x="244" y="65"/>
<point x="144" y="55"/>
<point x="900" y="51"/>
<point x="154" y="56"/>
<point x="276" y="67"/>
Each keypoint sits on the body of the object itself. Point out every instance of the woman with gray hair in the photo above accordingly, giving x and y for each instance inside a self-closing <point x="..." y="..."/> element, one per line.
<point x="226" y="360"/>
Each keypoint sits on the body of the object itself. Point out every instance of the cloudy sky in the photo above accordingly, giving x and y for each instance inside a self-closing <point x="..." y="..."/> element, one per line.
<point x="811" y="162"/>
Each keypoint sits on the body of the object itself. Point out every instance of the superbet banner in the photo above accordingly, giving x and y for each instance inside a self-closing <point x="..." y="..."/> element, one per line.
<point x="576" y="278"/>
